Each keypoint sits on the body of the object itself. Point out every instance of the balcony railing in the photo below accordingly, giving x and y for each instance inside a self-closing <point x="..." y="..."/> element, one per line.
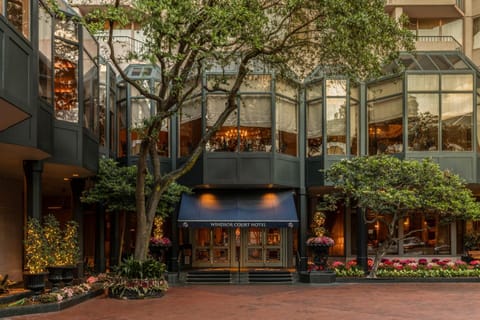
<point x="123" y="45"/>
<point x="437" y="43"/>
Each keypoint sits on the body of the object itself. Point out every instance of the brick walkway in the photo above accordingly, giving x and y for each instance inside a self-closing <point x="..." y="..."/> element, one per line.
<point x="425" y="301"/>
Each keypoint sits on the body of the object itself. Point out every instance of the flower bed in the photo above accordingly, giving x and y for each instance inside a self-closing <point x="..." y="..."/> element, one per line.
<point x="412" y="268"/>
<point x="51" y="301"/>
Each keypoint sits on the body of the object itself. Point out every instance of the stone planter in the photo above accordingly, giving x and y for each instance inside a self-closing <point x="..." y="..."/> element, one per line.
<point x="35" y="281"/>
<point x="55" y="276"/>
<point x="67" y="275"/>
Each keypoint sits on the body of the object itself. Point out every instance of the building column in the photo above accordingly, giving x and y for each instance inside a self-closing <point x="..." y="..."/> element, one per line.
<point x="77" y="186"/>
<point x="172" y="261"/>
<point x="100" y="265"/>
<point x="33" y="184"/>
<point x="302" y="245"/>
<point x="362" y="253"/>
<point x="114" y="238"/>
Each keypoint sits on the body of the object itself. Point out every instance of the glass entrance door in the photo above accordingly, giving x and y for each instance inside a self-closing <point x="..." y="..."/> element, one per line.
<point x="234" y="247"/>
<point x="263" y="247"/>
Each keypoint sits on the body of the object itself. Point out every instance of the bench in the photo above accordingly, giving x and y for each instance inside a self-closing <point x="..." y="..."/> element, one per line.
<point x="474" y="254"/>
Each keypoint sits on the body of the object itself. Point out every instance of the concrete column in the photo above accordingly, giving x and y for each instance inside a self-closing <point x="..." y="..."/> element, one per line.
<point x="77" y="186"/>
<point x="362" y="253"/>
<point x="468" y="30"/>
<point x="100" y="265"/>
<point x="114" y="239"/>
<point x="33" y="184"/>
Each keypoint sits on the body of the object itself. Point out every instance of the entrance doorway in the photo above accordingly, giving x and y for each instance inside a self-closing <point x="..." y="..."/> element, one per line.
<point x="251" y="247"/>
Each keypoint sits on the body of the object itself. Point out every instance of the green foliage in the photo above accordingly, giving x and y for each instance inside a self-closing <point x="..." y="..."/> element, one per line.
<point x="62" y="245"/>
<point x="387" y="185"/>
<point x="36" y="253"/>
<point x="131" y="268"/>
<point x="115" y="189"/>
<point x="471" y="240"/>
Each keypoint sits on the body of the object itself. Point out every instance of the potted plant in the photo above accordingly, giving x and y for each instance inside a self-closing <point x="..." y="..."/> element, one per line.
<point x="135" y="279"/>
<point x="63" y="248"/>
<point x="36" y="254"/>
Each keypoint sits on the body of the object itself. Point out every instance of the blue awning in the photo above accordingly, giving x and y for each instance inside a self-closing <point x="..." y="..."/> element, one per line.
<point x="241" y="209"/>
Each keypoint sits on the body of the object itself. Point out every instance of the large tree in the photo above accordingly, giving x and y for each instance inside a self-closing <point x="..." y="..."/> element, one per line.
<point x="188" y="37"/>
<point x="390" y="190"/>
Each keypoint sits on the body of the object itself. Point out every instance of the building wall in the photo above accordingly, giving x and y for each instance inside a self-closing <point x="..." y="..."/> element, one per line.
<point x="11" y="228"/>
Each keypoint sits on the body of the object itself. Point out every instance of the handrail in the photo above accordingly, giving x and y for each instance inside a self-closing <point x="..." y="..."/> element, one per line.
<point x="133" y="45"/>
<point x="439" y="39"/>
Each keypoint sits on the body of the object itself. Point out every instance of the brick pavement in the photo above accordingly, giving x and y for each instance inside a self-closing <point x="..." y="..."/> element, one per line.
<point x="425" y="301"/>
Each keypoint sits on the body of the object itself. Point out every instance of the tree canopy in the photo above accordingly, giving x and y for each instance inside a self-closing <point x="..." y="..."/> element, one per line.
<point x="391" y="189"/>
<point x="187" y="38"/>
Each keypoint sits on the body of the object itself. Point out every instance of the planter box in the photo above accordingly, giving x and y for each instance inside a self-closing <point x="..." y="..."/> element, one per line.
<point x="48" y="307"/>
<point x="317" y="277"/>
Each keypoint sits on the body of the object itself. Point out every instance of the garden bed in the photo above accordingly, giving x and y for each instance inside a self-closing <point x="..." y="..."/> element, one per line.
<point x="30" y="307"/>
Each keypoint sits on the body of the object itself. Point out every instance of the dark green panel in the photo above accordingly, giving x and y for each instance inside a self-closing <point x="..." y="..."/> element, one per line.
<point x="254" y="170"/>
<point x="287" y="171"/>
<point x="17" y="73"/>
<point x="66" y="145"/>
<point x="194" y="176"/>
<point x="45" y="130"/>
<point x="314" y="175"/>
<point x="21" y="134"/>
<point x="90" y="152"/>
<point x="463" y="166"/>
<point x="2" y="61"/>
<point x="221" y="170"/>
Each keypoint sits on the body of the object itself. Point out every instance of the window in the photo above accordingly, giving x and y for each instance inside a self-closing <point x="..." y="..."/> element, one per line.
<point x="255" y="123"/>
<point x="476" y="33"/>
<point x="440" y="101"/>
<point x="354" y="119"/>
<point x="226" y="138"/>
<point x="190" y="128"/>
<point x="287" y="126"/>
<point x="122" y="128"/>
<point x="336" y="117"/>
<point x="66" y="71"/>
<point x="140" y="111"/>
<point x="18" y="14"/>
<point x="314" y="121"/>
<point x="385" y="117"/>
<point x="45" y="57"/>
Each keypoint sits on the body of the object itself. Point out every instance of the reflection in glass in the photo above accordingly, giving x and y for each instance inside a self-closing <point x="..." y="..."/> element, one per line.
<point x="457" y="122"/>
<point x="163" y="148"/>
<point x="226" y="138"/>
<point x="190" y="130"/>
<point x="336" y="126"/>
<point x="255" y="236"/>
<point x="423" y="111"/>
<point x="423" y="82"/>
<point x="45" y="64"/>
<point x="314" y="128"/>
<point x="90" y="89"/>
<point x="385" y="126"/>
<point x="354" y="121"/>
<point x="287" y="127"/>
<point x="255" y="123"/>
<point x="457" y="82"/>
<point x="426" y="236"/>
<point x="140" y="110"/>
<point x="255" y="255"/>
<point x="273" y="255"/>
<point x="18" y="14"/>
<point x="273" y="237"/>
<point x="66" y="79"/>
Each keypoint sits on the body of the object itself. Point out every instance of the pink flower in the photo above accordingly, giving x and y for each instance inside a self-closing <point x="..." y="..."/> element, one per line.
<point x="320" y="241"/>
<point x="160" y="242"/>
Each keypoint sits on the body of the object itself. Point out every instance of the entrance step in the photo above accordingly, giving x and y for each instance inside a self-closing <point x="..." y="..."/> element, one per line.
<point x="271" y="276"/>
<point x="208" y="277"/>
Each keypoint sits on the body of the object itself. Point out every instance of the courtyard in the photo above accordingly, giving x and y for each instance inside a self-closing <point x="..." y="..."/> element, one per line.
<point x="426" y="301"/>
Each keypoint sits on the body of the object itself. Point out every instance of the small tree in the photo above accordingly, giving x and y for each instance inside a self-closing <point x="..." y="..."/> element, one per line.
<point x="391" y="189"/>
<point x="115" y="185"/>
<point x="36" y="254"/>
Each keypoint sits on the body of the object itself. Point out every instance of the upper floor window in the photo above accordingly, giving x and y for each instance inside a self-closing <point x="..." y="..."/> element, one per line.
<point x="45" y="57"/>
<point x="476" y="33"/>
<point x="336" y="116"/>
<point x="17" y="13"/>
<point x="66" y="71"/>
<point x="440" y="109"/>
<point x="385" y="117"/>
<point x="314" y="110"/>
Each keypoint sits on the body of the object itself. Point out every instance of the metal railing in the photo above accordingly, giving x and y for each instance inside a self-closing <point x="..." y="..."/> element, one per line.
<point x="441" y="39"/>
<point x="123" y="43"/>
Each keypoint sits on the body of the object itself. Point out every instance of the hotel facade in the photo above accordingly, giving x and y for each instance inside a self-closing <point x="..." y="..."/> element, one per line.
<point x="259" y="180"/>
